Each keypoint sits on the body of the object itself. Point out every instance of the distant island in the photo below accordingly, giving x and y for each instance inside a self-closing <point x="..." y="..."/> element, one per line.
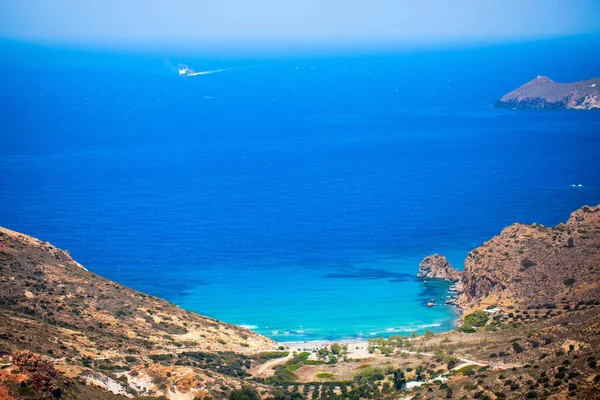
<point x="544" y="93"/>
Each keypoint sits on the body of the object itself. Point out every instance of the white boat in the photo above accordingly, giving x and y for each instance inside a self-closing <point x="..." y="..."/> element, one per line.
<point x="184" y="70"/>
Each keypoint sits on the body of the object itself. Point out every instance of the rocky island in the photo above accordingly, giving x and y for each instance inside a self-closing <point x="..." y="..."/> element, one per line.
<point x="437" y="266"/>
<point x="544" y="93"/>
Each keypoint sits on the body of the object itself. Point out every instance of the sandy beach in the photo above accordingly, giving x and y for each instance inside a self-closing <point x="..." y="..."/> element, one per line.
<point x="357" y="348"/>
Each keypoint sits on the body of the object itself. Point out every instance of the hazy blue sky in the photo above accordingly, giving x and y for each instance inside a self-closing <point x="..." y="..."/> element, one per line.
<point x="311" y="21"/>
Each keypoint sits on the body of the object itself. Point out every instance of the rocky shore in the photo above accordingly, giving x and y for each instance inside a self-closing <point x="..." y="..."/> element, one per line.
<point x="436" y="266"/>
<point x="526" y="265"/>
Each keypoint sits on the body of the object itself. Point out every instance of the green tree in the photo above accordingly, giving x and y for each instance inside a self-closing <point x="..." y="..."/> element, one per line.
<point x="420" y="373"/>
<point x="336" y="348"/>
<point x="371" y="348"/>
<point x="315" y="393"/>
<point x="322" y="353"/>
<point x="477" y="318"/>
<point x="399" y="379"/>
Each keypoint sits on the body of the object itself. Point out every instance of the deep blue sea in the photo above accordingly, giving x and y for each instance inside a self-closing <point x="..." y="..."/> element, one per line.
<point x="295" y="195"/>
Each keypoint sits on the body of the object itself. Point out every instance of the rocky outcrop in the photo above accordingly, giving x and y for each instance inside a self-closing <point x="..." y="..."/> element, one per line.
<point x="104" y="382"/>
<point x="543" y="92"/>
<point x="529" y="265"/>
<point x="41" y="375"/>
<point x="437" y="267"/>
<point x="586" y="215"/>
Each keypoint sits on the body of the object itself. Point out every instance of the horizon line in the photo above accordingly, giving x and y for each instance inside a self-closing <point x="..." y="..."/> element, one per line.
<point x="288" y="46"/>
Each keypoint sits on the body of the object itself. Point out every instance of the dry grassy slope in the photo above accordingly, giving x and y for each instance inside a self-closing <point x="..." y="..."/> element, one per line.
<point x="44" y="292"/>
<point x="528" y="265"/>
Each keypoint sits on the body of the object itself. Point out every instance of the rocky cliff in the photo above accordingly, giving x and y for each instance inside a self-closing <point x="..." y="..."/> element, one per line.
<point x="437" y="266"/>
<point x="543" y="92"/>
<point x="534" y="265"/>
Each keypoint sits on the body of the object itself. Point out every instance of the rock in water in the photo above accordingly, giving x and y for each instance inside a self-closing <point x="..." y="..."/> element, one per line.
<point x="437" y="267"/>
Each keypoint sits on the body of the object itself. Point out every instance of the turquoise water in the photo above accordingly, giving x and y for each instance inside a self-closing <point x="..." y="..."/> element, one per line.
<point x="296" y="197"/>
<point x="374" y="298"/>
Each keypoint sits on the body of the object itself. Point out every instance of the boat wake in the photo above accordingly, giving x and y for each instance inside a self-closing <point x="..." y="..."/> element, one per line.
<point x="184" y="70"/>
<point x="213" y="71"/>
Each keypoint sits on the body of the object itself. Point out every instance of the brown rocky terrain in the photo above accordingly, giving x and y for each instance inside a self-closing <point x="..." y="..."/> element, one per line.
<point x="543" y="92"/>
<point x="42" y="283"/>
<point x="533" y="265"/>
<point x="437" y="267"/>
<point x="89" y="327"/>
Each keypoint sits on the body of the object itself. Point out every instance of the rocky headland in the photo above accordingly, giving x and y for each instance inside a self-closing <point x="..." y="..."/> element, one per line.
<point x="543" y="92"/>
<point x="532" y="265"/>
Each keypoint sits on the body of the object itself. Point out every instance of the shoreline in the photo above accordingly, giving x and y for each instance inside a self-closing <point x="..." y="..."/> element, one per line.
<point x="317" y="343"/>
<point x="385" y="333"/>
<point x="357" y="348"/>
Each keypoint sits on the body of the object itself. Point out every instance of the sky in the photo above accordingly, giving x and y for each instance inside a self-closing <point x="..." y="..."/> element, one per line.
<point x="348" y="22"/>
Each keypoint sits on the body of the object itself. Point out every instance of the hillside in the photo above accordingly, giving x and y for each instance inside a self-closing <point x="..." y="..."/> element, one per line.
<point x="543" y="92"/>
<point x="534" y="265"/>
<point x="53" y="306"/>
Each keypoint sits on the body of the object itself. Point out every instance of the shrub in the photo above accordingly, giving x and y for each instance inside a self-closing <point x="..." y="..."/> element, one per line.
<point x="428" y="333"/>
<point x="517" y="347"/>
<point x="269" y="355"/>
<point x="368" y="375"/>
<point x="399" y="379"/>
<point x="527" y="263"/>
<point x="468" y="370"/>
<point x="477" y="318"/>
<point x="245" y="393"/>
<point x="24" y="390"/>
<point x="569" y="281"/>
